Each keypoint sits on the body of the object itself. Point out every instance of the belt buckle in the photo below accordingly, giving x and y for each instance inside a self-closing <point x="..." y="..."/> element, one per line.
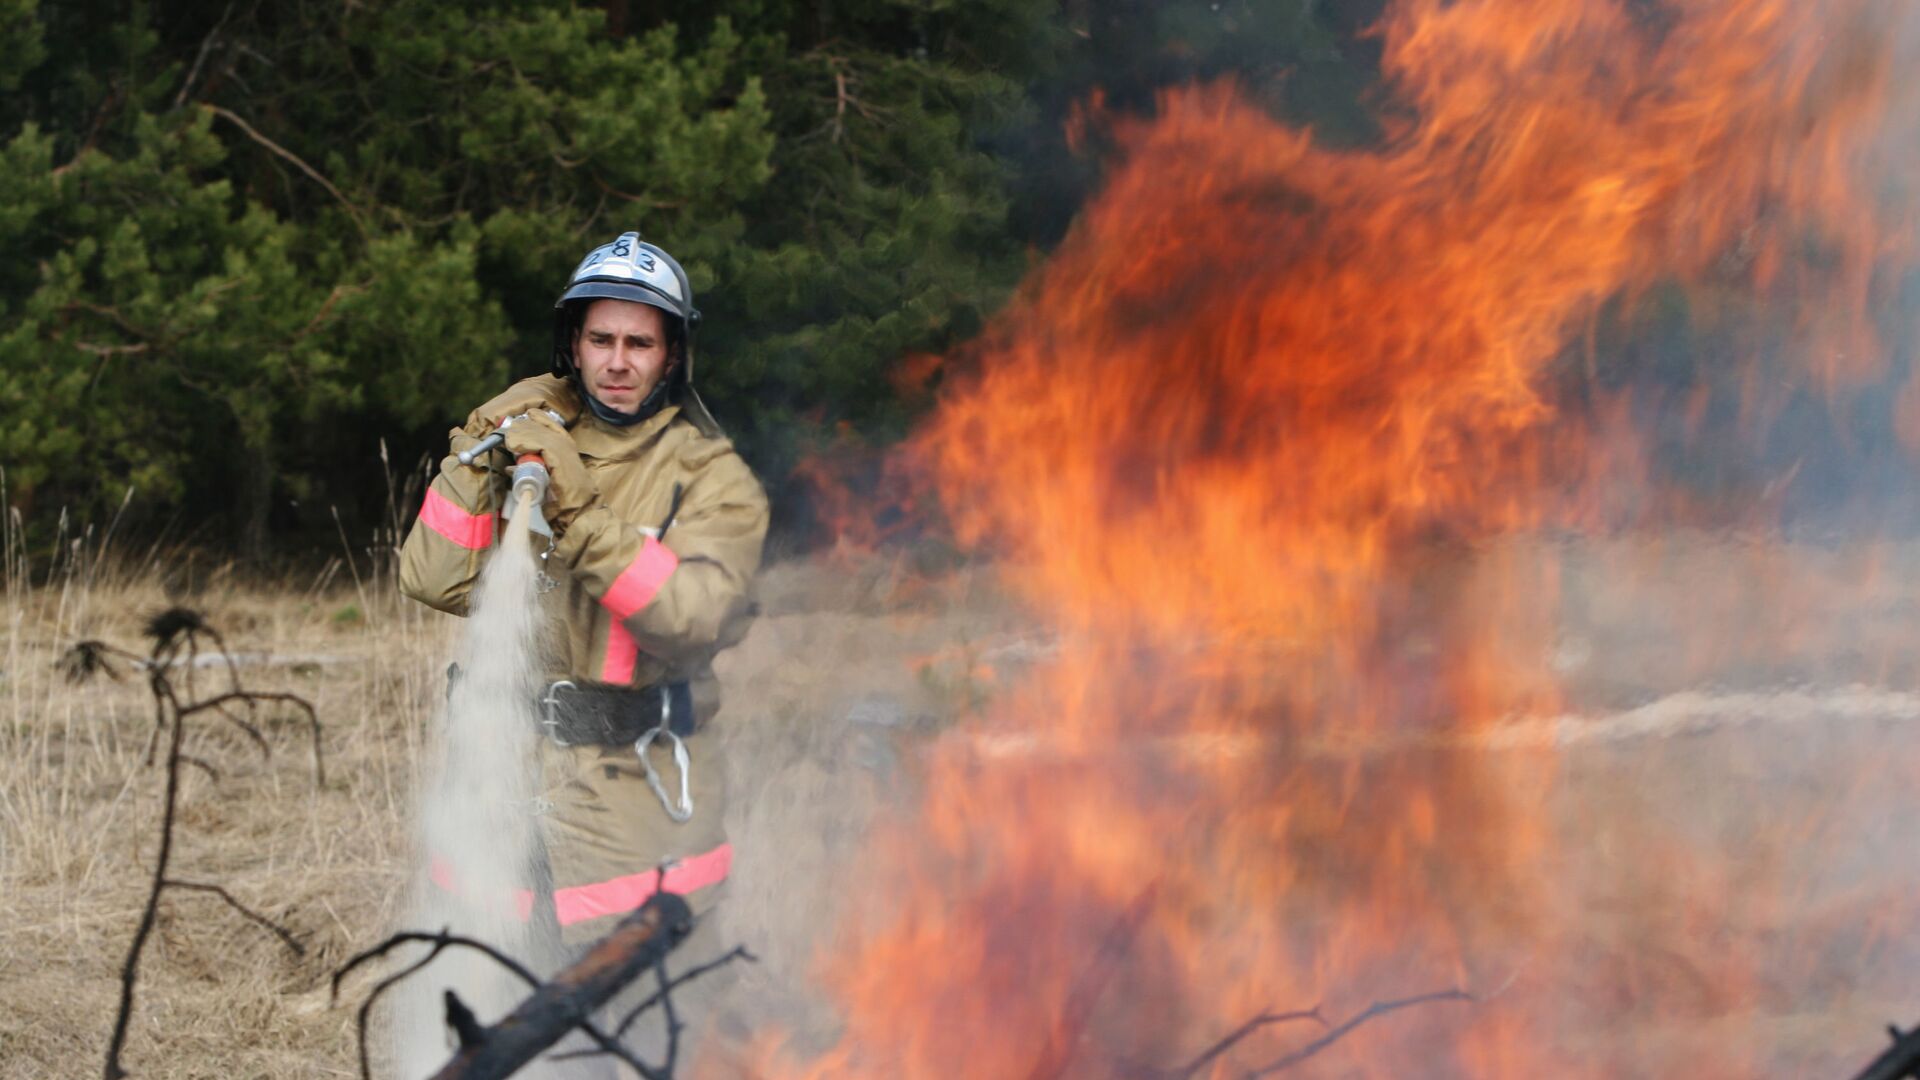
<point x="551" y="708"/>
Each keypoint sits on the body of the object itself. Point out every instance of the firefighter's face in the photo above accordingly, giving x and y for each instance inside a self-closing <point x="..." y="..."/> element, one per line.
<point x="621" y="348"/>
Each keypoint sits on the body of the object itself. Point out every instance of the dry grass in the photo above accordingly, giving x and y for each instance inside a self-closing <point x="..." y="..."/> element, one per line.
<point x="819" y="695"/>
<point x="78" y="817"/>
<point x="847" y="670"/>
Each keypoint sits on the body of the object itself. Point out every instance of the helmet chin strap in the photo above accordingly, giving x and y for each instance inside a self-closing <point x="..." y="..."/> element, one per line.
<point x="655" y="400"/>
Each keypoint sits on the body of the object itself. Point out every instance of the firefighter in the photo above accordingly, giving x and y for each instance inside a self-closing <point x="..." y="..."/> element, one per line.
<point x="658" y="526"/>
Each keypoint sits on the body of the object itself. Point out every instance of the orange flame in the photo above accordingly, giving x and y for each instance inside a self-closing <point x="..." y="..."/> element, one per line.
<point x="1235" y="441"/>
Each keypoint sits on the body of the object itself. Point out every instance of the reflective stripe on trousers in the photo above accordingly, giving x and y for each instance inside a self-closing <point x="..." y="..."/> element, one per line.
<point x="617" y="896"/>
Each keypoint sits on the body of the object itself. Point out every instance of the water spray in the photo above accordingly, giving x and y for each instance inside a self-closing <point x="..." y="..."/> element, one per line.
<point x="476" y="830"/>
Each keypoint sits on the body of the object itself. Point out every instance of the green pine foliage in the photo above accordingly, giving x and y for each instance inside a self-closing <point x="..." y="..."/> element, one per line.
<point x="248" y="242"/>
<point x="251" y="241"/>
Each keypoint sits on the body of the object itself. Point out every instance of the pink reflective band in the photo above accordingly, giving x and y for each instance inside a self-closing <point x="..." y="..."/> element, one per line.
<point x="622" y="653"/>
<point x="623" y="894"/>
<point x="472" y="531"/>
<point x="441" y="873"/>
<point x="637" y="585"/>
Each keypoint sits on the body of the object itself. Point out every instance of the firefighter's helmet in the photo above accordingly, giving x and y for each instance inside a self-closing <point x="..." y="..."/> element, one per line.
<point x="629" y="268"/>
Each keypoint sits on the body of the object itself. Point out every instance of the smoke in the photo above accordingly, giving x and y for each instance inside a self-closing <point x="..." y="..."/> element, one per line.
<point x="475" y="816"/>
<point x="1323" y="452"/>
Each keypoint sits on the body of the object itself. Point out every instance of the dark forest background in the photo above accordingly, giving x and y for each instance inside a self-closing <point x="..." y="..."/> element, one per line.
<point x="248" y="242"/>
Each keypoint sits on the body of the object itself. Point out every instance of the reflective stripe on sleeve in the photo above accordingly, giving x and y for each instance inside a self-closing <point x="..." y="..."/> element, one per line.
<point x="622" y="894"/>
<point x="640" y="582"/>
<point x="444" y="516"/>
<point x="622" y="654"/>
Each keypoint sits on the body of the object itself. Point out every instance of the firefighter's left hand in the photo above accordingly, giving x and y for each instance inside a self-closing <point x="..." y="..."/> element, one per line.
<point x="570" y="488"/>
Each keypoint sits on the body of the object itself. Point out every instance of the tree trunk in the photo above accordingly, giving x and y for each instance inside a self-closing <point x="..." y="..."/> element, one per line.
<point x="256" y="485"/>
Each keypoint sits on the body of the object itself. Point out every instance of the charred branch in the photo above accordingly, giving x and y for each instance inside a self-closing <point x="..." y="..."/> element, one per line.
<point x="172" y="631"/>
<point x="652" y="1001"/>
<point x="86" y="659"/>
<point x="1208" y="1060"/>
<point x="255" y="699"/>
<point x="638" y="943"/>
<point x="1900" y="1061"/>
<point x="440" y="942"/>
<point x="286" y="936"/>
<point x="662" y="999"/>
<point x="1377" y="1009"/>
<point x="1240" y="1034"/>
<point x="466" y="1026"/>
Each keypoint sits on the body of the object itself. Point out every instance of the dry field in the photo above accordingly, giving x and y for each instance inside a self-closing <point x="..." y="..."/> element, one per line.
<point x="1750" y="712"/>
<point x="218" y="997"/>
<point x="79" y="823"/>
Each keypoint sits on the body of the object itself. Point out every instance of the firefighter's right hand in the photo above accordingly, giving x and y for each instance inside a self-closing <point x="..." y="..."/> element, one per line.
<point x="460" y="440"/>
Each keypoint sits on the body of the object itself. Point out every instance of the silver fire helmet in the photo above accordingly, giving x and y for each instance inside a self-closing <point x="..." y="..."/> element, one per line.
<point x="631" y="269"/>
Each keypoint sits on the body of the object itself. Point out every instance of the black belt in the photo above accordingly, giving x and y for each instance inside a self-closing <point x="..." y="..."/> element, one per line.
<point x="614" y="715"/>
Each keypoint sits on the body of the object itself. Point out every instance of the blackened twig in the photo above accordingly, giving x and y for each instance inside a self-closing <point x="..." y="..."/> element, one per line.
<point x="671" y="1015"/>
<point x="1240" y="1034"/>
<point x="739" y="952"/>
<point x="246" y="726"/>
<point x="172" y="630"/>
<point x="441" y="942"/>
<point x="233" y="671"/>
<point x="85" y="659"/>
<point x="286" y="936"/>
<point x="466" y="1026"/>
<point x="130" y="969"/>
<point x="259" y="698"/>
<point x="1900" y="1061"/>
<point x="657" y="999"/>
<point x="1378" y="1008"/>
<point x="635" y="944"/>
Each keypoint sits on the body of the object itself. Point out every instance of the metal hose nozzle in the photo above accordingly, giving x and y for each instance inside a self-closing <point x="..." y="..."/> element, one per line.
<point x="492" y="442"/>
<point x="529" y="485"/>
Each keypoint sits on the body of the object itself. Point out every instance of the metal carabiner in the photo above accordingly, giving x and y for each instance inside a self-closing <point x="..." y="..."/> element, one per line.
<point x="683" y="811"/>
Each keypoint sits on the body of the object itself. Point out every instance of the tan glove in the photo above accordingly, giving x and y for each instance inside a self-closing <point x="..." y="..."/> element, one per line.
<point x="459" y="441"/>
<point x="570" y="487"/>
<point x="473" y="486"/>
<point x="527" y="395"/>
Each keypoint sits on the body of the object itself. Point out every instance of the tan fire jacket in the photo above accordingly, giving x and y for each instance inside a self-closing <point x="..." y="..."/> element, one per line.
<point x="654" y="582"/>
<point x="655" y="576"/>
